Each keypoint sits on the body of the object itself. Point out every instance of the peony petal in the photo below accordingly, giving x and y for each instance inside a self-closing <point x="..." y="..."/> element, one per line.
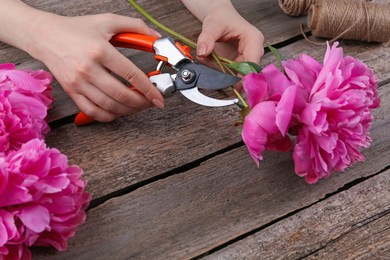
<point x="52" y="184"/>
<point x="309" y="115"/>
<point x="6" y="66"/>
<point x="256" y="88"/>
<point x="264" y="114"/>
<point x="277" y="81"/>
<point x="301" y="154"/>
<point x="53" y="239"/>
<point x="284" y="109"/>
<point x="3" y="233"/>
<point x="16" y="195"/>
<point x="255" y="139"/>
<point x="327" y="142"/>
<point x="269" y="84"/>
<point x="36" y="218"/>
<point x="302" y="72"/>
<point x="8" y="229"/>
<point x="3" y="175"/>
<point x="332" y="61"/>
<point x="22" y="80"/>
<point x="34" y="107"/>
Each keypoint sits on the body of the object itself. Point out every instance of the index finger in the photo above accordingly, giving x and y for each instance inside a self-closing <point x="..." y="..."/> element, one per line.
<point x="252" y="46"/>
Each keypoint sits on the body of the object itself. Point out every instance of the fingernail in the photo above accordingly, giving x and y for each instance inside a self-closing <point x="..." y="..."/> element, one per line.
<point x="152" y="31"/>
<point x="158" y="103"/>
<point x="201" y="49"/>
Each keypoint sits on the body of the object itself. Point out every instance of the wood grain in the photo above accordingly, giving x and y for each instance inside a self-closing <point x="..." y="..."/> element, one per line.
<point x="188" y="214"/>
<point x="353" y="224"/>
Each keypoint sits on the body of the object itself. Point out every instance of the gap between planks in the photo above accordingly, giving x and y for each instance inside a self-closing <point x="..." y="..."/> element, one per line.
<point x="181" y="169"/>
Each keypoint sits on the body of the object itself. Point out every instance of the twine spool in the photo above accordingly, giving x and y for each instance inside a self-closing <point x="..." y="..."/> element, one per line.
<point x="348" y="19"/>
<point x="295" y="7"/>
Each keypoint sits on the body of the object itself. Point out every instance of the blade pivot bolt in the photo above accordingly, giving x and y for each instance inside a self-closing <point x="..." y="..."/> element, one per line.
<point x="187" y="75"/>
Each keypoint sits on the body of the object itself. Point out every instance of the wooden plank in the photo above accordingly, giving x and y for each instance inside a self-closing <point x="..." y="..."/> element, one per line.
<point x="140" y="147"/>
<point x="264" y="14"/>
<point x="188" y="214"/>
<point x="370" y="241"/>
<point x="353" y="224"/>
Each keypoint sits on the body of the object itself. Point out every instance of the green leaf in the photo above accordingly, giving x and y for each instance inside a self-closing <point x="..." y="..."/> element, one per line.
<point x="244" y="68"/>
<point x="254" y="66"/>
<point x="276" y="53"/>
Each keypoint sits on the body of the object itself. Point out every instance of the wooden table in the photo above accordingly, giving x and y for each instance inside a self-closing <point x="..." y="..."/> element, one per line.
<point x="179" y="183"/>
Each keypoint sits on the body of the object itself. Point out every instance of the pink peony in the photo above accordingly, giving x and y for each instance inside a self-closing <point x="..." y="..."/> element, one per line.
<point x="42" y="200"/>
<point x="337" y="118"/>
<point x="24" y="100"/>
<point x="327" y="106"/>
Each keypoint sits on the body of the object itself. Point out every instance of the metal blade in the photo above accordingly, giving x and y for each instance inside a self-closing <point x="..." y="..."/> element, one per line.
<point x="194" y="95"/>
<point x="206" y="78"/>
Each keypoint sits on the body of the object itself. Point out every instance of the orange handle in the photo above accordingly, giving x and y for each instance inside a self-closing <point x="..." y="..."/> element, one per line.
<point x="83" y="119"/>
<point x="134" y="41"/>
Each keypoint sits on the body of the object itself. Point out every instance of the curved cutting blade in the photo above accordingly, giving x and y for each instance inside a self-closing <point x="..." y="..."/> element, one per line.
<point x="206" y="78"/>
<point x="194" y="95"/>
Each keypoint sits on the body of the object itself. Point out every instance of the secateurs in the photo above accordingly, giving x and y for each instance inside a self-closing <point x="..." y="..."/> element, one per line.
<point x="189" y="77"/>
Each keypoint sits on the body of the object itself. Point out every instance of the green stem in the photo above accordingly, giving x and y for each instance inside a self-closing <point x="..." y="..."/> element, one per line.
<point x="218" y="61"/>
<point x="242" y="100"/>
<point x="225" y="59"/>
<point x="161" y="26"/>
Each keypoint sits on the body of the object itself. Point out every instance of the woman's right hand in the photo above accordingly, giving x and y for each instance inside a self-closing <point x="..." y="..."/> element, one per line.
<point x="78" y="53"/>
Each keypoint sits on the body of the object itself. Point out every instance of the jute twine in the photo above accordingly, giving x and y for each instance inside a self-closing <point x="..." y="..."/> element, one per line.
<point x="295" y="7"/>
<point x="348" y="19"/>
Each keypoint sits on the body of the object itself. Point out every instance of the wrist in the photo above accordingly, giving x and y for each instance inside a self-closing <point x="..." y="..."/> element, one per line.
<point x="36" y="36"/>
<point x="24" y="27"/>
<point x="15" y="17"/>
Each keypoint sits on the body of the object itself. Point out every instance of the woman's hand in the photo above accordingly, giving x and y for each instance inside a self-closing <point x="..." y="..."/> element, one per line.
<point x="226" y="31"/>
<point x="78" y="53"/>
